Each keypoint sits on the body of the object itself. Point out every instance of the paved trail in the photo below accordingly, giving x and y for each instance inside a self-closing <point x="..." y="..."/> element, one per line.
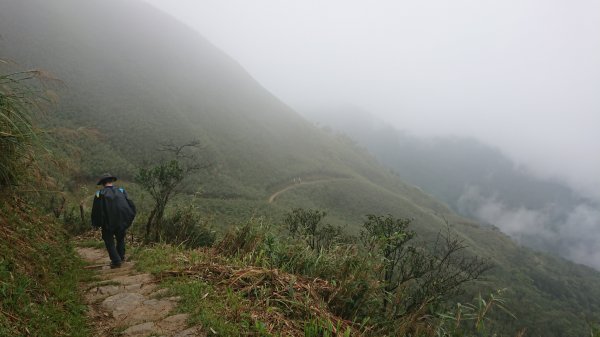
<point x="126" y="301"/>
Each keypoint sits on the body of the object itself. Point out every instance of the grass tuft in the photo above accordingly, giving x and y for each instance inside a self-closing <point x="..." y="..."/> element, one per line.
<point x="39" y="277"/>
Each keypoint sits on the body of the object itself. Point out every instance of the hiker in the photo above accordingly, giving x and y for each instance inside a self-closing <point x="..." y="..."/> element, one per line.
<point x="114" y="212"/>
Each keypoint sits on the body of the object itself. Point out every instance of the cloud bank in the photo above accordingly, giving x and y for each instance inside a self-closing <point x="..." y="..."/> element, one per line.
<point x="575" y="236"/>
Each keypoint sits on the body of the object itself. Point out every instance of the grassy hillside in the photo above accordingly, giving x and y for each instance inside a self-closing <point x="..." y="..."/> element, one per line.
<point x="39" y="272"/>
<point x="133" y="78"/>
<point x="39" y="275"/>
<point x="479" y="181"/>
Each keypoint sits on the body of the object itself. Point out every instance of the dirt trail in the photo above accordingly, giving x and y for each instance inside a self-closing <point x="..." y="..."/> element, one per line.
<point x="298" y="184"/>
<point x="124" y="302"/>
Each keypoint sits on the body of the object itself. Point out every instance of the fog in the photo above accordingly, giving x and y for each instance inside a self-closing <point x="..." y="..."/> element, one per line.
<point x="576" y="237"/>
<point x="519" y="74"/>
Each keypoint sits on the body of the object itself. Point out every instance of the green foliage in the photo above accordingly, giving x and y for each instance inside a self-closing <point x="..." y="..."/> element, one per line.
<point x="271" y="298"/>
<point x="74" y="220"/>
<point x="39" y="272"/>
<point x="254" y="243"/>
<point x="345" y="291"/>
<point x="155" y="258"/>
<point x="17" y="100"/>
<point x="258" y="141"/>
<point x="38" y="268"/>
<point x="389" y="237"/>
<point x="304" y="222"/>
<point x="187" y="226"/>
<point x="325" y="328"/>
<point x="209" y="309"/>
<point x="415" y="279"/>
<point x="307" y="224"/>
<point x="470" y="318"/>
<point x="160" y="181"/>
<point x="385" y="280"/>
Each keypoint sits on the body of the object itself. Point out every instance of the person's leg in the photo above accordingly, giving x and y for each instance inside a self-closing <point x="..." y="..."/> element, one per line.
<point x="109" y="242"/>
<point x="120" y="235"/>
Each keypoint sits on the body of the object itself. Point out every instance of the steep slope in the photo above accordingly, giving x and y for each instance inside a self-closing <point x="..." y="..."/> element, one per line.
<point x="134" y="78"/>
<point x="39" y="271"/>
<point x="142" y="82"/>
<point x="481" y="182"/>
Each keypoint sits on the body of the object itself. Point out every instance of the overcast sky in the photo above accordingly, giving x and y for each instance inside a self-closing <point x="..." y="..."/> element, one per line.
<point x="520" y="74"/>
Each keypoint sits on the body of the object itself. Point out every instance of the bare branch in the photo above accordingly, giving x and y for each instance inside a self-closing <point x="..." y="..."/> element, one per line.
<point x="178" y="150"/>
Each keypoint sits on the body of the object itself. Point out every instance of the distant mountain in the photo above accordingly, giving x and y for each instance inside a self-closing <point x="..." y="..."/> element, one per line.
<point x="479" y="181"/>
<point x="133" y="77"/>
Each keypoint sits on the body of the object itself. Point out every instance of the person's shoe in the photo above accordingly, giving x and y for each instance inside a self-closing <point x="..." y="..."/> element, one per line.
<point x="115" y="265"/>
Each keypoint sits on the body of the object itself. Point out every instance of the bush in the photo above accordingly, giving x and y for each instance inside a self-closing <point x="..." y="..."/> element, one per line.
<point x="386" y="280"/>
<point x="188" y="227"/>
<point x="344" y="265"/>
<point x="253" y="242"/>
<point x="73" y="221"/>
<point x="308" y="225"/>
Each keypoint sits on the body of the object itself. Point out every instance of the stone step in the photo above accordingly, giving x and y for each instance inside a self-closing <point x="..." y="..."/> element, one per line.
<point x="129" y="301"/>
<point x="102" y="292"/>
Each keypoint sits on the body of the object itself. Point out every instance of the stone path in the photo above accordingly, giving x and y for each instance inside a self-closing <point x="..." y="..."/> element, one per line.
<point x="124" y="302"/>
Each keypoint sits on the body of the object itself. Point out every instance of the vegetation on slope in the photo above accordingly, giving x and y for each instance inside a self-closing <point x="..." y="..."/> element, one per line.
<point x="155" y="80"/>
<point x="473" y="178"/>
<point x="39" y="275"/>
<point x="16" y="129"/>
<point x="39" y="272"/>
<point x="258" y="280"/>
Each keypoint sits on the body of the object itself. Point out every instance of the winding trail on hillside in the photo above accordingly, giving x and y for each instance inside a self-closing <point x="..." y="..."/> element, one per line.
<point x="301" y="183"/>
<point x="126" y="301"/>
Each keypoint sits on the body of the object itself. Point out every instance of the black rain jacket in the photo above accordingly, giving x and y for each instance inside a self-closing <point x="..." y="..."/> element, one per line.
<point x="112" y="209"/>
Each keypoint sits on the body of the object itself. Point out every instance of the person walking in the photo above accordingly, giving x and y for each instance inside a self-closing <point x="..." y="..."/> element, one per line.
<point x="114" y="212"/>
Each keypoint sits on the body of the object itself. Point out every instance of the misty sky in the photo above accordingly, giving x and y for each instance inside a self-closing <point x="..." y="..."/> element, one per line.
<point x="520" y="74"/>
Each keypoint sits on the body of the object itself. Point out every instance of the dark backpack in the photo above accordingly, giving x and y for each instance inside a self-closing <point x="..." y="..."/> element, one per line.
<point x="119" y="211"/>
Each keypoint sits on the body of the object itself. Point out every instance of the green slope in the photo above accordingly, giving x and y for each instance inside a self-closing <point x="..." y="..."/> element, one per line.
<point x="39" y="271"/>
<point x="469" y="176"/>
<point x="134" y="77"/>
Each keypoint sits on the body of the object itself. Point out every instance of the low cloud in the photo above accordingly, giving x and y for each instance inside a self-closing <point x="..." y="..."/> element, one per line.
<point x="573" y="234"/>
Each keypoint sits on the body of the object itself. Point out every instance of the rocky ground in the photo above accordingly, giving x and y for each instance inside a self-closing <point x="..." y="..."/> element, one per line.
<point x="124" y="302"/>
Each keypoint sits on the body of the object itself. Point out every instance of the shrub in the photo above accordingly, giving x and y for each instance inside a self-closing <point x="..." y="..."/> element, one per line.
<point x="307" y="225"/>
<point x="163" y="181"/>
<point x="472" y="317"/>
<point x="387" y="280"/>
<point x="188" y="227"/>
<point x="344" y="265"/>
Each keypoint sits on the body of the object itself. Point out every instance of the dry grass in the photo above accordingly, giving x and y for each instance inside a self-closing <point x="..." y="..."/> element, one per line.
<point x="295" y="299"/>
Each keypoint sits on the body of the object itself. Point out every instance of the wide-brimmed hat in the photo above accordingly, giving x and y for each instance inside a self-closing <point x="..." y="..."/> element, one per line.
<point x="105" y="178"/>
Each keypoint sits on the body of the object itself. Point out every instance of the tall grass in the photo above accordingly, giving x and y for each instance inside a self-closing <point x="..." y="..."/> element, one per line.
<point x="353" y="270"/>
<point x="17" y="133"/>
<point x="342" y="266"/>
<point x="39" y="276"/>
